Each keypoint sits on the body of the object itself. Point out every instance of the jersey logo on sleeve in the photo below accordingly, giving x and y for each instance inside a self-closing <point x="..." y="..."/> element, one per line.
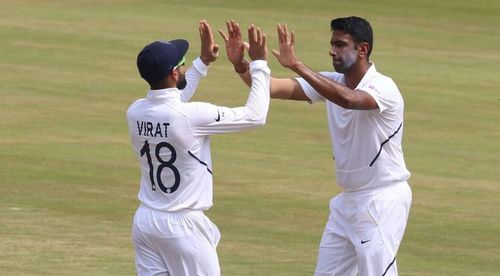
<point x="218" y="116"/>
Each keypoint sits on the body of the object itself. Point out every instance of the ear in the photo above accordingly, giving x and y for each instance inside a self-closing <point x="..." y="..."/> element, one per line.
<point x="363" y="49"/>
<point x="174" y="75"/>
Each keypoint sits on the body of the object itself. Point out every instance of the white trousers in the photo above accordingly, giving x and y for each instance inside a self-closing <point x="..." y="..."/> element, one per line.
<point x="364" y="231"/>
<point x="175" y="244"/>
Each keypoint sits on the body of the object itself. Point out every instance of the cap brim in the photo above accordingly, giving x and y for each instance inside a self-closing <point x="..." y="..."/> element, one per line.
<point x="182" y="47"/>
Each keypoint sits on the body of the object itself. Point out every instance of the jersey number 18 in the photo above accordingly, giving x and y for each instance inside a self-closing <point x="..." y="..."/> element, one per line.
<point x="163" y="164"/>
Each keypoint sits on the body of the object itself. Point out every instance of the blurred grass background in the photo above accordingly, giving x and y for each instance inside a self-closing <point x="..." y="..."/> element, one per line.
<point x="68" y="180"/>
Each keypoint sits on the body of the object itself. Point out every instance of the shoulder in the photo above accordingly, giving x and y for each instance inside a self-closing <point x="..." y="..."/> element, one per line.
<point x="135" y="105"/>
<point x="201" y="113"/>
<point x="384" y="90"/>
<point x="199" y="106"/>
<point x="385" y="81"/>
<point x="196" y="110"/>
<point x="137" y="102"/>
<point x="381" y="85"/>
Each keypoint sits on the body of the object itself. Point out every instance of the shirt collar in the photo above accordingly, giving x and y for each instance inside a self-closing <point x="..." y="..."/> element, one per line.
<point x="369" y="73"/>
<point x="164" y="93"/>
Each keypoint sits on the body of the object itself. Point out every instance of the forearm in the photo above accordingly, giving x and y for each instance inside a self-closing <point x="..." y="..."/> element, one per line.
<point x="246" y="78"/>
<point x="282" y="89"/>
<point x="252" y="114"/>
<point x="258" y="99"/>
<point x="279" y="88"/>
<point x="243" y="70"/>
<point x="194" y="74"/>
<point x="331" y="90"/>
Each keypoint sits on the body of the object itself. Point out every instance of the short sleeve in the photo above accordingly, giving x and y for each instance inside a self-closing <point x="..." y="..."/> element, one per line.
<point x="384" y="91"/>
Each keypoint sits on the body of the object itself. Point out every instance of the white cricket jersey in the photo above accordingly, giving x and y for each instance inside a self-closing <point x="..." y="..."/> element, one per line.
<point x="366" y="143"/>
<point x="171" y="138"/>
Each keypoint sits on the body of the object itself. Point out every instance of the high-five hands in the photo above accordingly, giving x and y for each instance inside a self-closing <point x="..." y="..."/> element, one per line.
<point x="286" y="54"/>
<point x="209" y="50"/>
<point x="257" y="41"/>
<point x="235" y="46"/>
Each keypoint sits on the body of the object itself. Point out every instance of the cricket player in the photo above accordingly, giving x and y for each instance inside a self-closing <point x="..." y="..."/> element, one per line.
<point x="171" y="138"/>
<point x="365" y="117"/>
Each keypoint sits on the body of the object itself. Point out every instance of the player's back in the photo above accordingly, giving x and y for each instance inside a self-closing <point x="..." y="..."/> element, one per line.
<point x="175" y="165"/>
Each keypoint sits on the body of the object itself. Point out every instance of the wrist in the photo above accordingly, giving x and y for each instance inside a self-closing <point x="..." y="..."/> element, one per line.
<point x="205" y="60"/>
<point x="242" y="67"/>
<point x="295" y="67"/>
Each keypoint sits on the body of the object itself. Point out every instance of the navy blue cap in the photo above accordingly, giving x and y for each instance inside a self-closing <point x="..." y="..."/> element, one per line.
<point x="158" y="59"/>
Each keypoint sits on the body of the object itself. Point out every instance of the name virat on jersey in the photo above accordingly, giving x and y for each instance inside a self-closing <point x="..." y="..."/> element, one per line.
<point x="152" y="129"/>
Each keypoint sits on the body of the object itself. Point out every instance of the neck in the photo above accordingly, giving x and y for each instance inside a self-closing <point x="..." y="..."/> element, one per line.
<point x="163" y="84"/>
<point x="158" y="86"/>
<point x="354" y="76"/>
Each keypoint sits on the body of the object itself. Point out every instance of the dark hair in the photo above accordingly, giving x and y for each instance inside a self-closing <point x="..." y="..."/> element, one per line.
<point x="357" y="27"/>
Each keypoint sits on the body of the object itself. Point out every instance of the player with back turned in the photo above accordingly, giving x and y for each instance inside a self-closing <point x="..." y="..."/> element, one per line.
<point x="365" y="117"/>
<point x="171" y="138"/>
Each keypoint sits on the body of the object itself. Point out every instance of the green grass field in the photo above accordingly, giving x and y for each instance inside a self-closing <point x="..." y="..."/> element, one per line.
<point x="68" y="179"/>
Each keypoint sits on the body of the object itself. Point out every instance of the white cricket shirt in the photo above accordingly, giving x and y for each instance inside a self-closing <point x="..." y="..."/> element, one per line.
<point x="171" y="138"/>
<point x="366" y="143"/>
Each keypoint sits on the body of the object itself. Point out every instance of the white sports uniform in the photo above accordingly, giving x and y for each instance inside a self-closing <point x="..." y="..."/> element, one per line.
<point x="367" y="220"/>
<point x="170" y="136"/>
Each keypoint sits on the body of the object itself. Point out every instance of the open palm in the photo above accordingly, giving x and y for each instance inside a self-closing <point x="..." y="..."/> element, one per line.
<point x="286" y="54"/>
<point x="209" y="50"/>
<point x="235" y="47"/>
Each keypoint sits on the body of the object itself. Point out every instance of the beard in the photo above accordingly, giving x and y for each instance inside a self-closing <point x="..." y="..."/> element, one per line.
<point x="346" y="63"/>
<point x="181" y="83"/>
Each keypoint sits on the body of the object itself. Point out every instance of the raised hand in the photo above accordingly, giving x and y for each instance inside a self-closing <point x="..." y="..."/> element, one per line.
<point x="235" y="47"/>
<point x="209" y="50"/>
<point x="286" y="54"/>
<point x="257" y="42"/>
